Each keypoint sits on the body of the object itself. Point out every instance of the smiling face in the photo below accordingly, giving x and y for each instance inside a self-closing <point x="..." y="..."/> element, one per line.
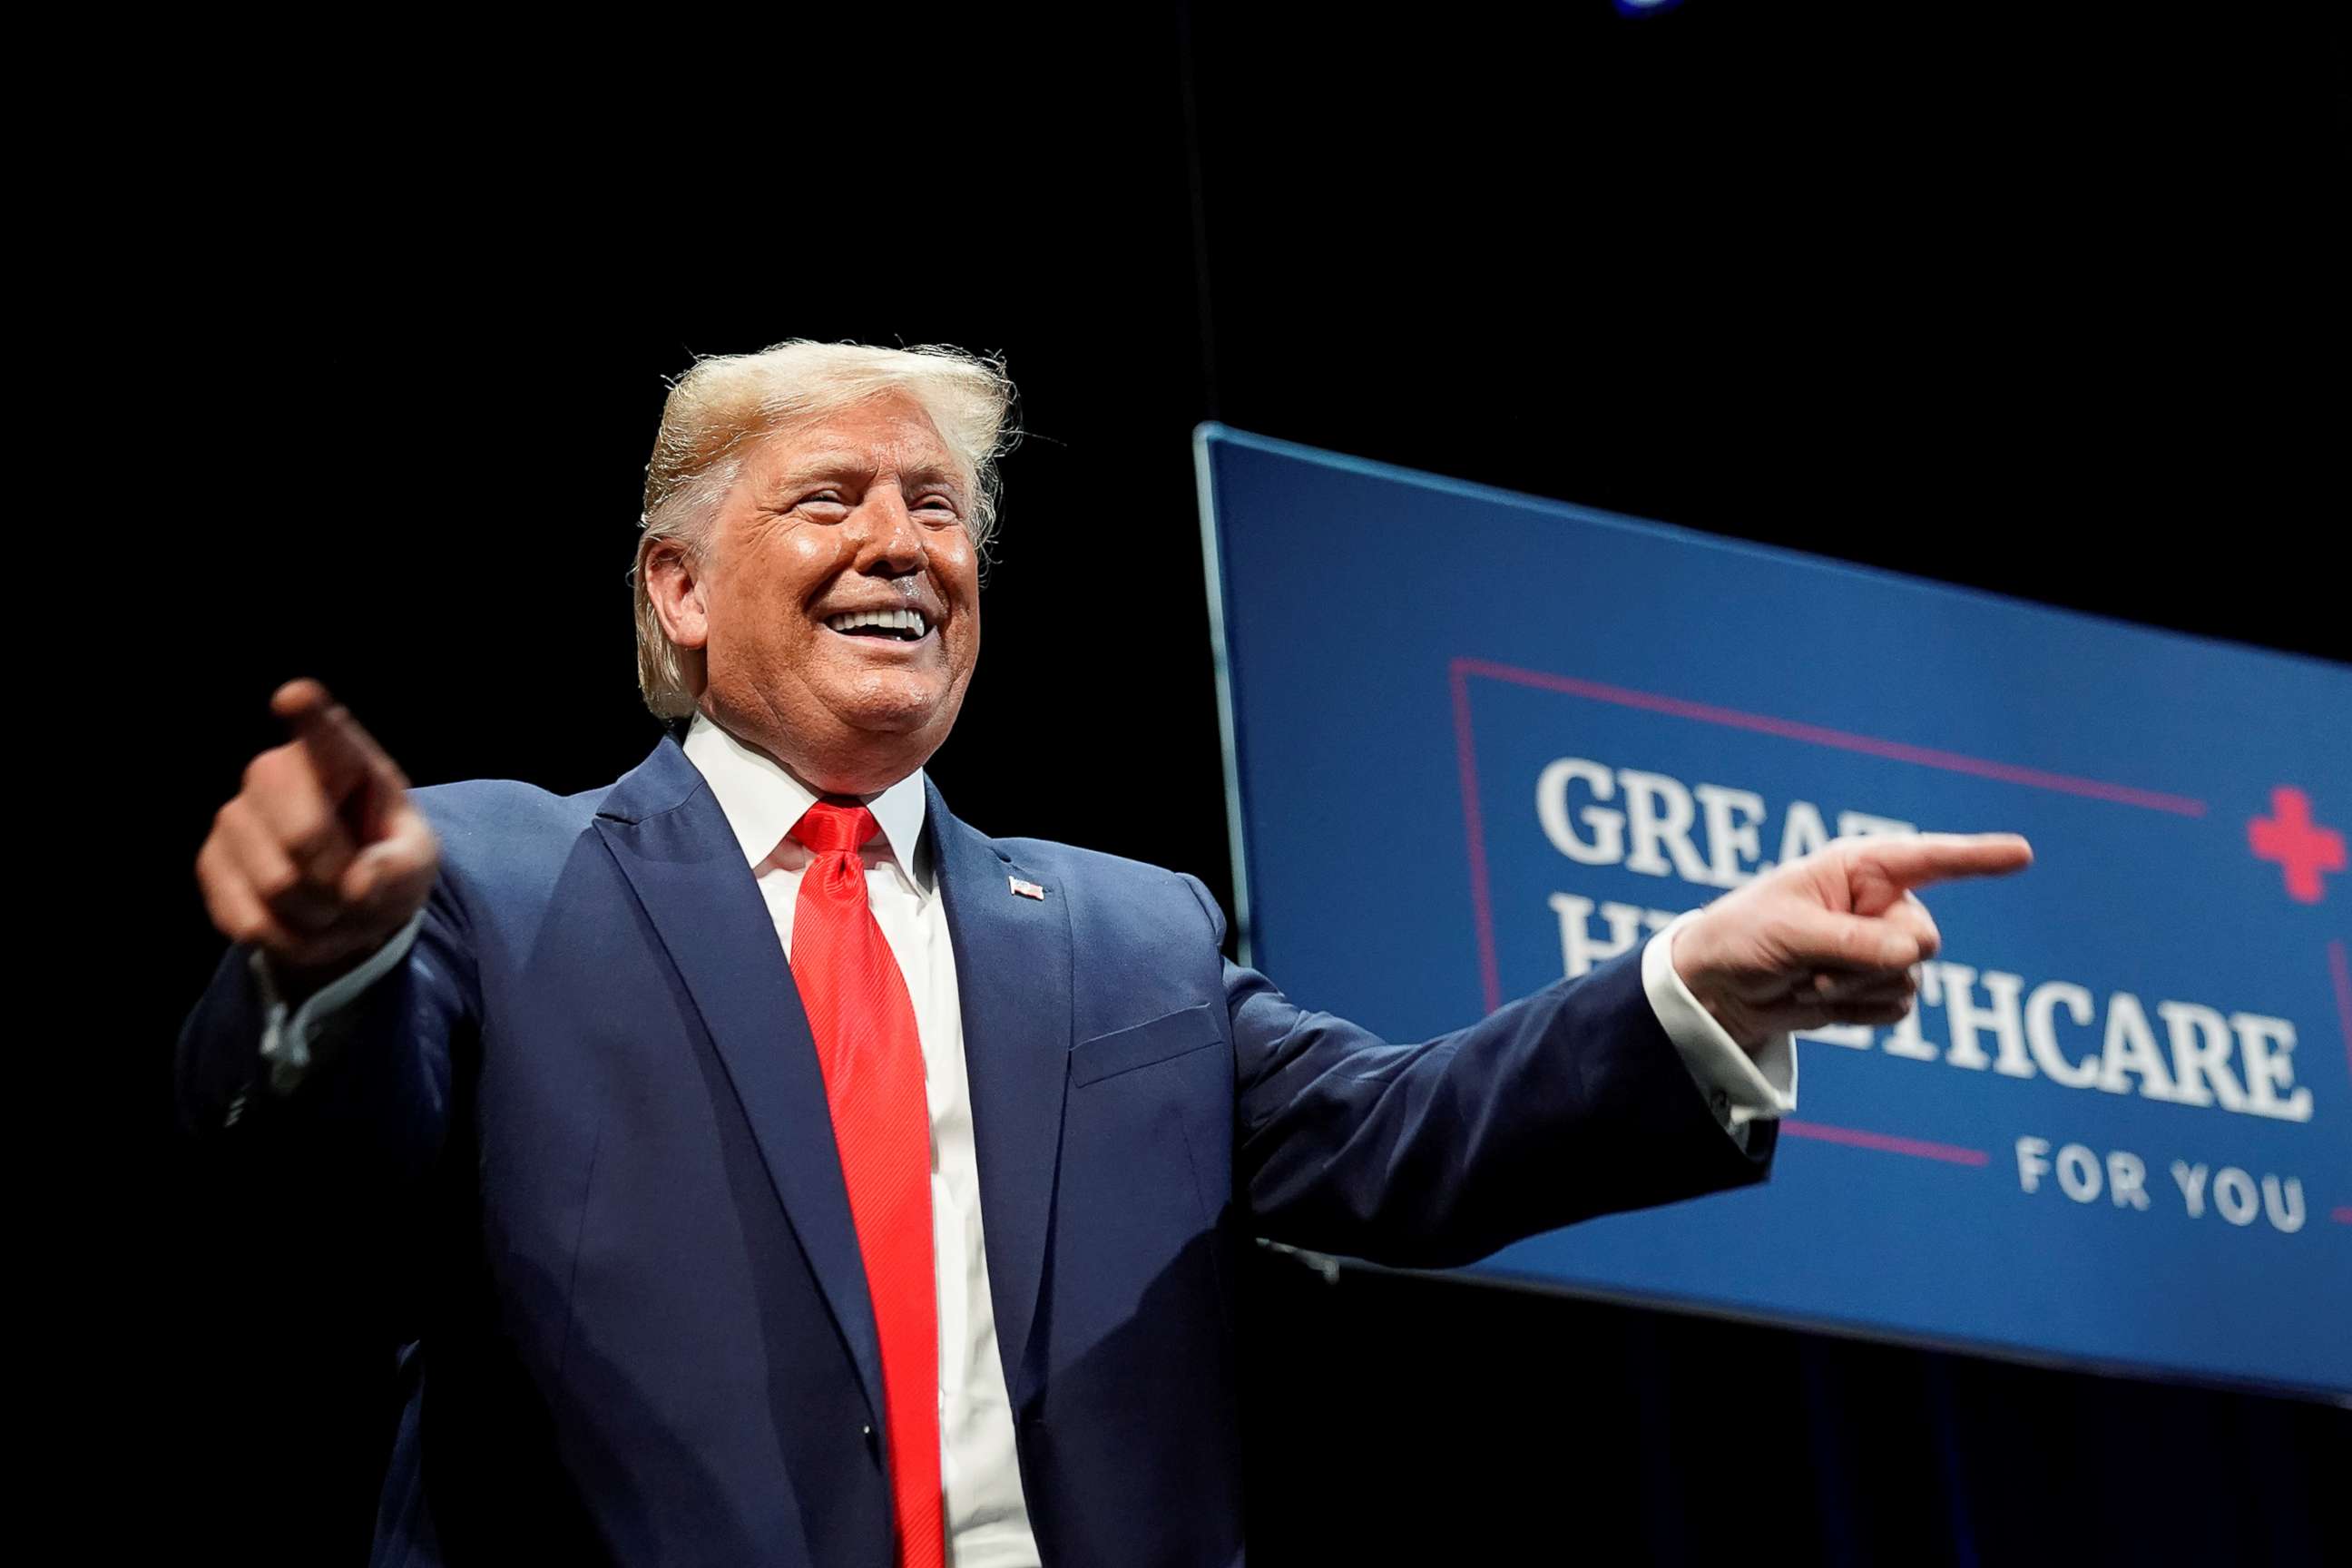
<point x="837" y="607"/>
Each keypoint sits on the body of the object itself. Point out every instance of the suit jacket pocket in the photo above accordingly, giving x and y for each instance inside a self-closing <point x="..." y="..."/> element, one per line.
<point x="1194" y="1028"/>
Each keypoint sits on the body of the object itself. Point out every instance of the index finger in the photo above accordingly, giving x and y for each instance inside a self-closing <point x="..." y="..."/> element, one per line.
<point x="1918" y="859"/>
<point x="344" y="754"/>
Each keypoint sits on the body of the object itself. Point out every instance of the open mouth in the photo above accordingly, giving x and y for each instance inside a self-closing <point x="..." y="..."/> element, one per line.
<point x="883" y="626"/>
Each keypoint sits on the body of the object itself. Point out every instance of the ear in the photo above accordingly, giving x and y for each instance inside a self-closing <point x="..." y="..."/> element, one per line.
<point x="674" y="582"/>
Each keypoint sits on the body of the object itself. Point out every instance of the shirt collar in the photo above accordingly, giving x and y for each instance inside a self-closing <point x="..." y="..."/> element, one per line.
<point x="761" y="799"/>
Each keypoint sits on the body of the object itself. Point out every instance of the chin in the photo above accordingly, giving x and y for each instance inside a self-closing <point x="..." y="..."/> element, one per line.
<point x="894" y="710"/>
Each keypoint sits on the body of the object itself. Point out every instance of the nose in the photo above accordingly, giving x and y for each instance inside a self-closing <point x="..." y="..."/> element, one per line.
<point x="888" y="542"/>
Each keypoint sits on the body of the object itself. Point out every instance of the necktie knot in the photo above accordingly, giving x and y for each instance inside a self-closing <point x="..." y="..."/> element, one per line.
<point x="827" y="828"/>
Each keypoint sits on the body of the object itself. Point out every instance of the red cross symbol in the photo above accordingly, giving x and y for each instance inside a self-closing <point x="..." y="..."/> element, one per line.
<point x="2290" y="838"/>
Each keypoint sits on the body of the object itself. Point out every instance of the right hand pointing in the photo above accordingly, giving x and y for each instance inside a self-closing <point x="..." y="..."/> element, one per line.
<point x="320" y="858"/>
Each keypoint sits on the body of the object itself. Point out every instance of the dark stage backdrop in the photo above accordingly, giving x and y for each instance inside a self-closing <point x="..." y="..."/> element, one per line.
<point x="2016" y="300"/>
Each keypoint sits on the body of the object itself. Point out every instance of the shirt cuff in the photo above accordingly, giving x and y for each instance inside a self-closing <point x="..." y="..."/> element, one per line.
<point x="286" y="1040"/>
<point x="1739" y="1088"/>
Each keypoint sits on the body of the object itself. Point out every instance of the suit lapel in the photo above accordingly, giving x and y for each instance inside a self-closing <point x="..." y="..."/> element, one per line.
<point x="1012" y="981"/>
<point x="674" y="845"/>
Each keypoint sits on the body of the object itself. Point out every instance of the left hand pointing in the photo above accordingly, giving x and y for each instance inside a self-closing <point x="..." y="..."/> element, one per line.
<point x="1830" y="938"/>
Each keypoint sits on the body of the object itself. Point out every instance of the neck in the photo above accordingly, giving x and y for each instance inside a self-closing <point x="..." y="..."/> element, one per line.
<point x="861" y="780"/>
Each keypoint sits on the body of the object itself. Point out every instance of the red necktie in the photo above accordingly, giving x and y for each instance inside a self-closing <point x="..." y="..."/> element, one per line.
<point x="873" y="1062"/>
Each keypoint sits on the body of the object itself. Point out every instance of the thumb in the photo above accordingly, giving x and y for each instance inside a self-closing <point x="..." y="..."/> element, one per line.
<point x="397" y="863"/>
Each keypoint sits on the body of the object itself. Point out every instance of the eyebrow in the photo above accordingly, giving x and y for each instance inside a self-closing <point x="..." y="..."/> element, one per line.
<point x="859" y="465"/>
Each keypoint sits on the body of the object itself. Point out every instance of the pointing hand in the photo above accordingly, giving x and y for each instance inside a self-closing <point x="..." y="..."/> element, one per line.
<point x="1830" y="938"/>
<point x="320" y="858"/>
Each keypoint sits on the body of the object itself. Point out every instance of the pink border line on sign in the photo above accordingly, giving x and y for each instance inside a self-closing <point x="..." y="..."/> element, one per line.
<point x="2342" y="1215"/>
<point x="1917" y="1148"/>
<point x="1466" y="754"/>
<point x="2340" y="972"/>
<point x="1460" y="669"/>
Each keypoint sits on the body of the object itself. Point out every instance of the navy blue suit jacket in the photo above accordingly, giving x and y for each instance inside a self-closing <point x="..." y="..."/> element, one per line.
<point x="642" y="1332"/>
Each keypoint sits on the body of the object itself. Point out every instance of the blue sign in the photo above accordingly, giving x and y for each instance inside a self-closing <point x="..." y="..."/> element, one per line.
<point x="1479" y="740"/>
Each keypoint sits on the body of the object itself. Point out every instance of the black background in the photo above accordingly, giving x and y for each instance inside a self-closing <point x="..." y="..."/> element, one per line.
<point x="368" y="341"/>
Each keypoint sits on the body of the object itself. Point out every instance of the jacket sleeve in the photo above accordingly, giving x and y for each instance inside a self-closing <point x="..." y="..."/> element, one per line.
<point x="1564" y="1104"/>
<point x="369" y="1109"/>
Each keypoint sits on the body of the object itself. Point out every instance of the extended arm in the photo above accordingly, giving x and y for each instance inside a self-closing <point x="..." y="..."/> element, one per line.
<point x="1609" y="1092"/>
<point x="1566" y="1103"/>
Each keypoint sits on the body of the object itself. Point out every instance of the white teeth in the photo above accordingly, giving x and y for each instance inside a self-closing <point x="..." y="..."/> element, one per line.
<point x="887" y="620"/>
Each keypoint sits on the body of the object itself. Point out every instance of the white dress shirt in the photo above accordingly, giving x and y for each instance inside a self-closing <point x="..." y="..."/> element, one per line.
<point x="987" y="1517"/>
<point x="987" y="1514"/>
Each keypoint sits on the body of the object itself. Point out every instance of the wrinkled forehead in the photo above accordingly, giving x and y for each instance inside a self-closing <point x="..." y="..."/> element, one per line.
<point x="890" y="434"/>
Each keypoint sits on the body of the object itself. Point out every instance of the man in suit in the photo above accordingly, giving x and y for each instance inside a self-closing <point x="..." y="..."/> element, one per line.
<point x="795" y="1174"/>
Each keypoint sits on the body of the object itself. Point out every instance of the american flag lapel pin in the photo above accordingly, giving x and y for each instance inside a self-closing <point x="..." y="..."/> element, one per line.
<point x="1026" y="889"/>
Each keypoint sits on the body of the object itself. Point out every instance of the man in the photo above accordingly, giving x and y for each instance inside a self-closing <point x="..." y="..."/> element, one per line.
<point x="806" y="1178"/>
